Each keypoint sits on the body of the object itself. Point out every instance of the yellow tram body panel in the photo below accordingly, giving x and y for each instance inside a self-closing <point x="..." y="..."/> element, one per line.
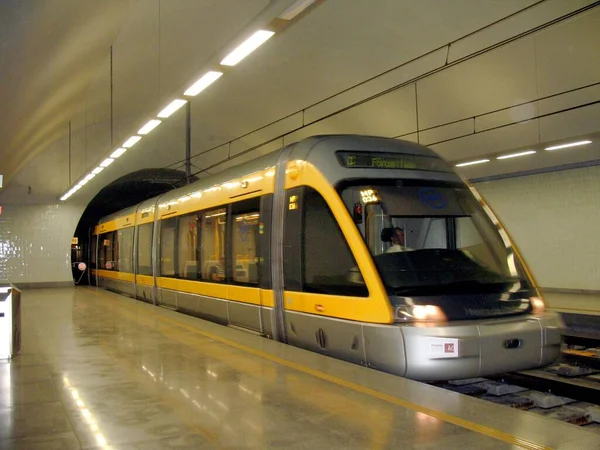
<point x="144" y="280"/>
<point x="116" y="224"/>
<point x="114" y="275"/>
<point x="376" y="307"/>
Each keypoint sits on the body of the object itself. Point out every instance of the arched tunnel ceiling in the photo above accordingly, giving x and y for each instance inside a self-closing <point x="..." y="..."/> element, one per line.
<point x="61" y="86"/>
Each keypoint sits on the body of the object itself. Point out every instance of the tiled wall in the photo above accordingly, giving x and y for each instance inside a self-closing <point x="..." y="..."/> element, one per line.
<point x="35" y="242"/>
<point x="553" y="218"/>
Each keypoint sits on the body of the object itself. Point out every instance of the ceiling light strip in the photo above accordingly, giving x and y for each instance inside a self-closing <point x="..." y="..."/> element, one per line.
<point x="131" y="141"/>
<point x="470" y="163"/>
<point x="205" y="81"/>
<point x="516" y="155"/>
<point x="149" y="126"/>
<point x="118" y="152"/>
<point x="247" y="47"/>
<point x="171" y="108"/>
<point x="572" y="144"/>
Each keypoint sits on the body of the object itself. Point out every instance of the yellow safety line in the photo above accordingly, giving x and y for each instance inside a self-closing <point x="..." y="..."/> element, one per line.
<point x="482" y="429"/>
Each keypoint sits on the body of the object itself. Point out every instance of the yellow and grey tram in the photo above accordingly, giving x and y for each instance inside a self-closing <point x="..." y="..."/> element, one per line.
<point x="366" y="249"/>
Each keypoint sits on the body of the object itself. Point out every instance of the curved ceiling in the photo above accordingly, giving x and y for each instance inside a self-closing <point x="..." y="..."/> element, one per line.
<point x="69" y="100"/>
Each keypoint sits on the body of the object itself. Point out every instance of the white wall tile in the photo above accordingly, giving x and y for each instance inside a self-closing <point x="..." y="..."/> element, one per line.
<point x="35" y="242"/>
<point x="552" y="217"/>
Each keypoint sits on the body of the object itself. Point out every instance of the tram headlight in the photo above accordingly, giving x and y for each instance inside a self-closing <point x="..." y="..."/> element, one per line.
<point x="420" y="313"/>
<point x="537" y="305"/>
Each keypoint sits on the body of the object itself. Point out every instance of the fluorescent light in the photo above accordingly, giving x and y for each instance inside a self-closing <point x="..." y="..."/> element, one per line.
<point x="470" y="163"/>
<point x="150" y="125"/>
<point x="131" y="141"/>
<point x="572" y="144"/>
<point x="82" y="182"/>
<point x="515" y="155"/>
<point x="64" y="197"/>
<point x="247" y="47"/>
<point x="118" y="152"/>
<point x="171" y="108"/>
<point x="97" y="170"/>
<point x="206" y="80"/>
<point x="107" y="162"/>
<point x="89" y="176"/>
<point x="296" y="9"/>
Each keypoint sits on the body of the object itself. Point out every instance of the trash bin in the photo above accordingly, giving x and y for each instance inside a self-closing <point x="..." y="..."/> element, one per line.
<point x="10" y="321"/>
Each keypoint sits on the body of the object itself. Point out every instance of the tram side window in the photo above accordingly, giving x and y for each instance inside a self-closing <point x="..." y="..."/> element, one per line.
<point x="188" y="247"/>
<point x="167" y="247"/>
<point x="94" y="252"/>
<point x="212" y="250"/>
<point x="329" y="266"/>
<point x="107" y="251"/>
<point x="125" y="242"/>
<point x="144" y="249"/>
<point x="245" y="218"/>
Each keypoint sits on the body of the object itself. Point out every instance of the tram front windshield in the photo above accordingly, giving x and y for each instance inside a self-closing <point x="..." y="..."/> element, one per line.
<point x="427" y="239"/>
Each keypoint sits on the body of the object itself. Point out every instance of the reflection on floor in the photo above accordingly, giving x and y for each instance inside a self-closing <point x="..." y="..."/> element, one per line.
<point x="101" y="371"/>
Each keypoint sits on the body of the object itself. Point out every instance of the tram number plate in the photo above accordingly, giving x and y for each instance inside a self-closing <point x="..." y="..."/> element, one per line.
<point x="443" y="348"/>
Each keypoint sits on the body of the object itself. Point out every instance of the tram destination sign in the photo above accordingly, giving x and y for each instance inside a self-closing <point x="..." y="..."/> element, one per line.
<point x="382" y="160"/>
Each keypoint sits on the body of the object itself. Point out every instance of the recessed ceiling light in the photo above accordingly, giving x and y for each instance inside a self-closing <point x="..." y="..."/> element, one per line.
<point x="247" y="47"/>
<point x="572" y="144"/>
<point x="118" y="152"/>
<point x="150" y="125"/>
<point x="107" y="162"/>
<point x="205" y="81"/>
<point x="171" y="108"/>
<point x="515" y="155"/>
<point x="470" y="163"/>
<point x="131" y="141"/>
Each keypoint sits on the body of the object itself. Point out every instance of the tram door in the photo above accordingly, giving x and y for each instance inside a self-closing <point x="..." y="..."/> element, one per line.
<point x="320" y="278"/>
<point x="78" y="264"/>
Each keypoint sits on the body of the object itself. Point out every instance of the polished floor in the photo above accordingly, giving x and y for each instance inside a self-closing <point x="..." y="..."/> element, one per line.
<point x="101" y="371"/>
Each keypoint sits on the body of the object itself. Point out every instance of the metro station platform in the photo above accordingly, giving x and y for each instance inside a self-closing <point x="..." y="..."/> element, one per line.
<point x="101" y="371"/>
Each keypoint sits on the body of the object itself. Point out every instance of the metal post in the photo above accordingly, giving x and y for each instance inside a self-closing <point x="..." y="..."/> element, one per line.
<point x="188" y="142"/>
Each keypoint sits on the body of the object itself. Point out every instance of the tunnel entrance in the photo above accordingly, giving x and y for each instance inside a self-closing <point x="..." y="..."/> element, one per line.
<point x="126" y="191"/>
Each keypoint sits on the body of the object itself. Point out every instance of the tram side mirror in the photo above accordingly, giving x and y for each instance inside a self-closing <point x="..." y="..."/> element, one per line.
<point x="357" y="213"/>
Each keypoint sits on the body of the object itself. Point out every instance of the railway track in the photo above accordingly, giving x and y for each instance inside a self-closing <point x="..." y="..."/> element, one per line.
<point x="568" y="390"/>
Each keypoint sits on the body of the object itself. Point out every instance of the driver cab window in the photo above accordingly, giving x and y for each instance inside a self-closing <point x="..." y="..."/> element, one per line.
<point x="410" y="218"/>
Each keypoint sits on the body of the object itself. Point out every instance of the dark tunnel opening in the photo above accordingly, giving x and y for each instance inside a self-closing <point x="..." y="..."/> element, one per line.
<point x="124" y="192"/>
